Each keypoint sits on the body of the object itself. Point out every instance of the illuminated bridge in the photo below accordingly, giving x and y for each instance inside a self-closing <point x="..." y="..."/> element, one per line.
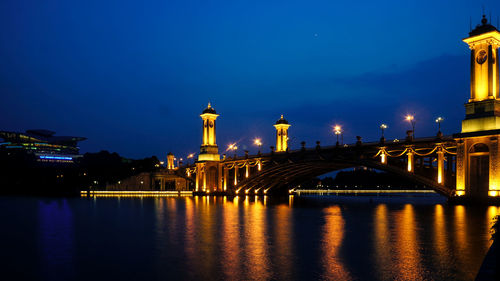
<point x="429" y="161"/>
<point x="466" y="164"/>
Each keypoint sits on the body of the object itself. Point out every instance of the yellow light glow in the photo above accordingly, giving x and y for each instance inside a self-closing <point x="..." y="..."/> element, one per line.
<point x="460" y="192"/>
<point x="281" y="136"/>
<point x="383" y="126"/>
<point x="209" y="128"/>
<point x="409" y="117"/>
<point x="493" y="193"/>
<point x="257" y="142"/>
<point x="259" y="166"/>
<point x="440" y="167"/>
<point x="383" y="158"/>
<point x="410" y="162"/>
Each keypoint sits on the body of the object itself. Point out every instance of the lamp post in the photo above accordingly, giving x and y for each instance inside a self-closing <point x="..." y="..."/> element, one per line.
<point x="411" y="119"/>
<point x="189" y="157"/>
<point x="258" y="142"/>
<point x="232" y="147"/>
<point x="383" y="127"/>
<point x="338" y="131"/>
<point x="439" y="120"/>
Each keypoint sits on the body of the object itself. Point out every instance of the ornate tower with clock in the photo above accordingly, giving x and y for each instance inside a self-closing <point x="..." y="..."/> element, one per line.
<point x="207" y="178"/>
<point x="281" y="134"/>
<point x="478" y="161"/>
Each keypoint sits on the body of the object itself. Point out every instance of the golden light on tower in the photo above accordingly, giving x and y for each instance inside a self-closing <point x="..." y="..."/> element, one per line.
<point x="281" y="134"/>
<point x="209" y="150"/>
<point x="483" y="42"/>
<point x="170" y="161"/>
<point x="477" y="172"/>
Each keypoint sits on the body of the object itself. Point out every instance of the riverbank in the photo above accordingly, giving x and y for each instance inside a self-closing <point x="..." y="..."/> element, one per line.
<point x="490" y="268"/>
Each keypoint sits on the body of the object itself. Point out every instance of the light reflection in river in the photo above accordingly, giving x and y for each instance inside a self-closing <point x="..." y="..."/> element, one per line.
<point x="407" y="245"/>
<point x="333" y="234"/>
<point x="255" y="240"/>
<point x="284" y="241"/>
<point x="231" y="255"/>
<point x="200" y="238"/>
<point x="382" y="245"/>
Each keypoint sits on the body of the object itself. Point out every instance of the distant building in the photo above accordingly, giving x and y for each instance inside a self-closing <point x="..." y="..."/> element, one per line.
<point x="161" y="180"/>
<point x="43" y="144"/>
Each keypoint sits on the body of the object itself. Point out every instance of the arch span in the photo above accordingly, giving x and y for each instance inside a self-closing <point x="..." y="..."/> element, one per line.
<point x="276" y="178"/>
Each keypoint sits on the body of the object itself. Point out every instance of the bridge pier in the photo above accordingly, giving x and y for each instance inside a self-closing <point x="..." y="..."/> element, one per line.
<point x="411" y="157"/>
<point x="440" y="166"/>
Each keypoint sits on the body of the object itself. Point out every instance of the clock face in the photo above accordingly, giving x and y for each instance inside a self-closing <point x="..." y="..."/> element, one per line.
<point x="482" y="56"/>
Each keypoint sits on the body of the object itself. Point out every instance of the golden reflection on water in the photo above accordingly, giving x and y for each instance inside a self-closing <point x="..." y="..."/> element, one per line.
<point x="236" y="237"/>
<point x="190" y="231"/>
<point x="284" y="244"/>
<point x="492" y="213"/>
<point x="333" y="234"/>
<point x="408" y="258"/>
<point x="382" y="242"/>
<point x="460" y="231"/>
<point x="231" y="240"/>
<point x="256" y="247"/>
<point x="441" y="237"/>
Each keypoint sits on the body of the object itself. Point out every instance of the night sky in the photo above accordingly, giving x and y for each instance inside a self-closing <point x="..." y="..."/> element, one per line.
<point x="133" y="77"/>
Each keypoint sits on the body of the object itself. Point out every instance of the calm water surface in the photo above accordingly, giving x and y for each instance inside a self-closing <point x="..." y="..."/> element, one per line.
<point x="296" y="238"/>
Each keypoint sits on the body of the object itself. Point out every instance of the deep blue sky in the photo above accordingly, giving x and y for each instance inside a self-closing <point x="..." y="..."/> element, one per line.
<point x="133" y="77"/>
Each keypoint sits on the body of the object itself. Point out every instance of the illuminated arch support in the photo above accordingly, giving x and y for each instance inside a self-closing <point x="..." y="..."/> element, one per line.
<point x="411" y="161"/>
<point x="205" y="181"/>
<point x="247" y="170"/>
<point x="383" y="155"/>
<point x="225" y="177"/>
<point x="440" y="166"/>
<point x="197" y="182"/>
<point x="235" y="175"/>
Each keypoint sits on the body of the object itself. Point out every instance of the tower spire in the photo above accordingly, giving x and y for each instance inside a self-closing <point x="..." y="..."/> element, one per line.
<point x="281" y="134"/>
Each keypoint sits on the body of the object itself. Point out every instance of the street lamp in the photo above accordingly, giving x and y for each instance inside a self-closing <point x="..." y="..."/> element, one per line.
<point x="383" y="127"/>
<point x="232" y="147"/>
<point x="190" y="156"/>
<point x="258" y="142"/>
<point x="338" y="131"/>
<point x="439" y="120"/>
<point x="411" y="119"/>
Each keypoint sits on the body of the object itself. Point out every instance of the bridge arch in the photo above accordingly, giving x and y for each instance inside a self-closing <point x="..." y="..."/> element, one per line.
<point x="278" y="178"/>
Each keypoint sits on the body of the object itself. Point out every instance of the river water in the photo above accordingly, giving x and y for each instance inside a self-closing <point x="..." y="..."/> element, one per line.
<point x="208" y="238"/>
